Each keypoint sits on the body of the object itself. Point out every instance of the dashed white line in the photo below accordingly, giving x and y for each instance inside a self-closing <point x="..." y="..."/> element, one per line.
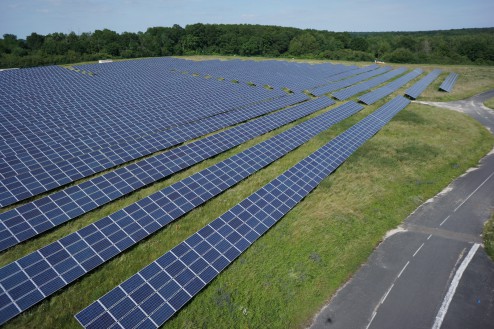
<point x="452" y="288"/>
<point x="444" y="221"/>
<point x="387" y="293"/>
<point x="469" y="196"/>
<point x="392" y="285"/>
<point x="403" y="269"/>
<point x="418" y="249"/>
<point x="430" y="236"/>
<point x="372" y="319"/>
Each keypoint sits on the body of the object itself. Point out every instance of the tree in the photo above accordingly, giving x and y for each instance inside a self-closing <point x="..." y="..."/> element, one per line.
<point x="401" y="55"/>
<point x="379" y="47"/>
<point x="463" y="46"/>
<point x="359" y="44"/>
<point x="190" y="44"/>
<point x="253" y="47"/>
<point x="35" y="41"/>
<point x="304" y="44"/>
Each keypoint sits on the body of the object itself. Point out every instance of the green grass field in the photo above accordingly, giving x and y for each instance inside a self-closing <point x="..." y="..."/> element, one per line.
<point x="290" y="272"/>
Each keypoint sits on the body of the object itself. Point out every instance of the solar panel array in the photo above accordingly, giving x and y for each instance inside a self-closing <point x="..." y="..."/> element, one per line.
<point x="145" y="113"/>
<point x="33" y="218"/>
<point x="65" y="115"/>
<point x="277" y="74"/>
<point x="60" y="125"/>
<point x="357" y="76"/>
<point x="150" y="297"/>
<point x="449" y="82"/>
<point x="368" y="84"/>
<point x="418" y="88"/>
<point x="20" y="187"/>
<point x="30" y="279"/>
<point x="375" y="95"/>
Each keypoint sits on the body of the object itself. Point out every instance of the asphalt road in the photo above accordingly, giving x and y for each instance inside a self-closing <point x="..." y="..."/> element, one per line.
<point x="432" y="272"/>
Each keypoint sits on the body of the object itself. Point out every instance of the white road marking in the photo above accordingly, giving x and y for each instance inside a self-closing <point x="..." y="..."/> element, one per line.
<point x="444" y="221"/>
<point x="468" y="197"/>
<point x="387" y="293"/>
<point x="452" y="288"/>
<point x="430" y="236"/>
<point x="372" y="319"/>
<point x="418" y="249"/>
<point x="403" y="269"/>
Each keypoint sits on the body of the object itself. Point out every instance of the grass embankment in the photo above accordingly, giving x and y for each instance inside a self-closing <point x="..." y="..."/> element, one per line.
<point x="488" y="236"/>
<point x="289" y="273"/>
<point x="489" y="103"/>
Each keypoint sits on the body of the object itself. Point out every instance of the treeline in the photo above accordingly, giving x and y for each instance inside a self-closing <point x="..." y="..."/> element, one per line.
<point x="465" y="46"/>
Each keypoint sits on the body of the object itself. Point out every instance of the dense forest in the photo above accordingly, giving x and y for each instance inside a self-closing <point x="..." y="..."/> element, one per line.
<point x="464" y="46"/>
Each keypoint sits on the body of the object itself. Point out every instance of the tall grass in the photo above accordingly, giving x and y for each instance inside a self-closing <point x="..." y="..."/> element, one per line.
<point x="488" y="236"/>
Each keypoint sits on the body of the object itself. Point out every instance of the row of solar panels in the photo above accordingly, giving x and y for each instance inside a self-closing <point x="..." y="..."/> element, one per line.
<point x="368" y="84"/>
<point x="278" y="74"/>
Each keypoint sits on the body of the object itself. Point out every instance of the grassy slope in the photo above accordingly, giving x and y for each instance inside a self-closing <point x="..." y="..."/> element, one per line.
<point x="285" y="277"/>
<point x="488" y="236"/>
<point x="489" y="103"/>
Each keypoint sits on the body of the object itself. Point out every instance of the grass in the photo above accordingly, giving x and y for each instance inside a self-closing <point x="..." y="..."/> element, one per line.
<point x="472" y="80"/>
<point x="488" y="236"/>
<point x="290" y="272"/>
<point x="489" y="103"/>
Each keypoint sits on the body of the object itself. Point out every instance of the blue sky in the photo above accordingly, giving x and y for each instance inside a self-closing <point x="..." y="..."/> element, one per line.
<point x="21" y="17"/>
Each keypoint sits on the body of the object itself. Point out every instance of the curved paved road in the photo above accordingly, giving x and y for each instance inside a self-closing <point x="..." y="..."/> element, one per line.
<point x="433" y="271"/>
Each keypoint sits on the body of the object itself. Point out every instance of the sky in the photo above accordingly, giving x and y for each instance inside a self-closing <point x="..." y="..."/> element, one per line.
<point x="22" y="17"/>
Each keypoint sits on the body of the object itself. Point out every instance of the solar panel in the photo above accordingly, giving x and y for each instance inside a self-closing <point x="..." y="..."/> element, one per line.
<point x="30" y="279"/>
<point x="358" y="88"/>
<point x="375" y="95"/>
<point x="150" y="297"/>
<point x="33" y="218"/>
<point x="355" y="76"/>
<point x="20" y="187"/>
<point x="449" y="82"/>
<point x="418" y="88"/>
